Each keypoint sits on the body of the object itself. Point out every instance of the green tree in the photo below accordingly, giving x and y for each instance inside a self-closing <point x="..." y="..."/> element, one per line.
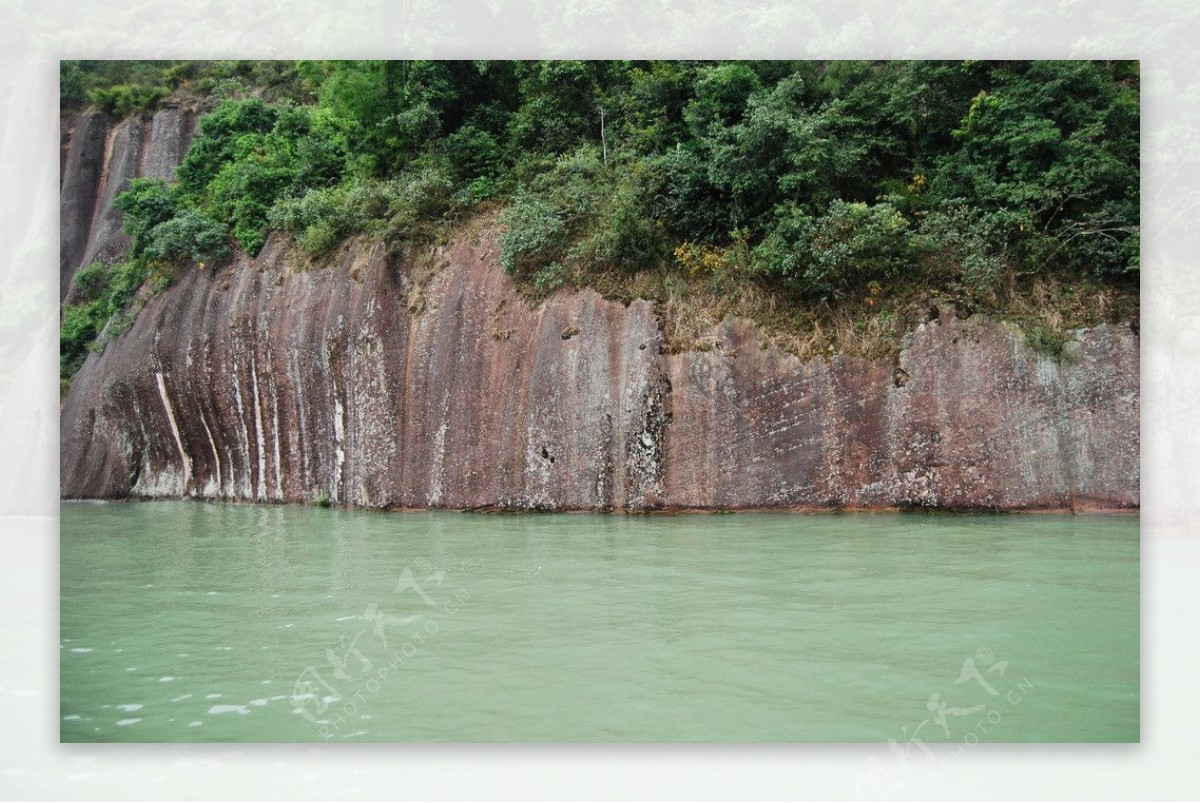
<point x="1057" y="143"/>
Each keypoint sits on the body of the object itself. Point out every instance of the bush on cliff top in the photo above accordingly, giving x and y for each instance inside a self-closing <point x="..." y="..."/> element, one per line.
<point x="125" y="87"/>
<point x="817" y="185"/>
<point x="638" y="158"/>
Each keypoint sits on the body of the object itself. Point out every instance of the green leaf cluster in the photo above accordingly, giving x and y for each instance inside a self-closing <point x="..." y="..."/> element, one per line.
<point x="119" y="88"/>
<point x="821" y="182"/>
<point x="105" y="293"/>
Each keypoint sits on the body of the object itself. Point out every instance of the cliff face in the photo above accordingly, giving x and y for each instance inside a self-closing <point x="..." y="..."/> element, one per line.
<point x="372" y="384"/>
<point x="410" y="383"/>
<point x="98" y="159"/>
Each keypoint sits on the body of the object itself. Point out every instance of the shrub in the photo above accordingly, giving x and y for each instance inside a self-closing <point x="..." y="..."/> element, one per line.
<point x="1102" y="243"/>
<point x="587" y="215"/>
<point x="633" y="235"/>
<point x="319" y="218"/>
<point x="147" y="203"/>
<point x="624" y="237"/>
<point x="319" y="239"/>
<point x="474" y="153"/>
<point x="534" y="235"/>
<point x="479" y="190"/>
<point x="105" y="293"/>
<point x="324" y="217"/>
<point x="217" y="141"/>
<point x="296" y="213"/>
<point x="549" y="278"/>
<point x="81" y="323"/>
<point x="124" y="280"/>
<point x="91" y="281"/>
<point x="192" y="235"/>
<point x="695" y="209"/>
<point x="425" y="193"/>
<point x="242" y="193"/>
<point x="124" y="99"/>
<point x="836" y="253"/>
<point x="971" y="245"/>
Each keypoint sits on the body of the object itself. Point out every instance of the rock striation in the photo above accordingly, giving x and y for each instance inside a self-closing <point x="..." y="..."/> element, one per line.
<point x="99" y="157"/>
<point x="427" y="381"/>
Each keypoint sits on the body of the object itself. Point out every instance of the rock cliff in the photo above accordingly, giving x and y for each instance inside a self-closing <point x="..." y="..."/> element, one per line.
<point x="99" y="156"/>
<point x="428" y="381"/>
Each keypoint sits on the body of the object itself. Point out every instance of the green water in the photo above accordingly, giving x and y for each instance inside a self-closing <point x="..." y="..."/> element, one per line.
<point x="185" y="621"/>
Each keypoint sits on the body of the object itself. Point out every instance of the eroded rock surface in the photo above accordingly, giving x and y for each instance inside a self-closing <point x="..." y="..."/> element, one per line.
<point x="265" y="382"/>
<point x="429" y="382"/>
<point x="99" y="158"/>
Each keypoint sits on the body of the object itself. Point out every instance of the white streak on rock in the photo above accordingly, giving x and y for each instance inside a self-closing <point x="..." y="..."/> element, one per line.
<point x="237" y="401"/>
<point x="187" y="464"/>
<point x="437" y="472"/>
<point x="298" y="394"/>
<point x="276" y="435"/>
<point x="258" y="434"/>
<point x="216" y="456"/>
<point x="339" y="434"/>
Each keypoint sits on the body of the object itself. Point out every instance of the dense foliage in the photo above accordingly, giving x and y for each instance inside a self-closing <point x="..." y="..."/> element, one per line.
<point x="104" y="304"/>
<point x="817" y="182"/>
<point x="125" y="87"/>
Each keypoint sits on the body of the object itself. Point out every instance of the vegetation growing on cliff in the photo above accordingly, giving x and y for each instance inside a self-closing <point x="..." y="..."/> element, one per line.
<point x="813" y="196"/>
<point x="105" y="303"/>
<point x="126" y="87"/>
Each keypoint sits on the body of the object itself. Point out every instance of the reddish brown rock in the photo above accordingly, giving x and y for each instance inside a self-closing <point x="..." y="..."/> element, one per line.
<point x="99" y="158"/>
<point x="265" y="382"/>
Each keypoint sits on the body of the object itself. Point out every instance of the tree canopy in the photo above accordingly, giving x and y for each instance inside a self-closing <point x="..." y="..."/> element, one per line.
<point x="819" y="182"/>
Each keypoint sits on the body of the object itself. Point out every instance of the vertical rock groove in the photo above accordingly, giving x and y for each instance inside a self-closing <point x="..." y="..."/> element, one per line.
<point x="429" y="381"/>
<point x="572" y="405"/>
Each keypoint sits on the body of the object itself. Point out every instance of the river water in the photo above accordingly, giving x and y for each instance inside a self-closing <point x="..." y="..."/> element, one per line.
<point x="188" y="621"/>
